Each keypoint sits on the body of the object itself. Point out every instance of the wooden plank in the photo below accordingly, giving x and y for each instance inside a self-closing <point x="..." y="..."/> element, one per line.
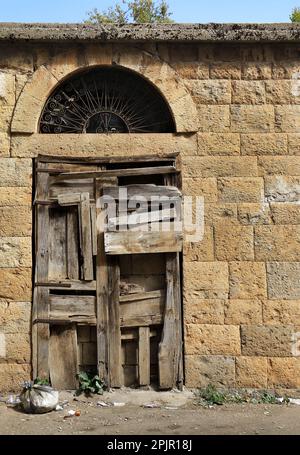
<point x="57" y="234"/>
<point x="94" y="229"/>
<point x="143" y="320"/>
<point x="72" y="244"/>
<point x="138" y="296"/>
<point x="72" y="305"/>
<point x="136" y="218"/>
<point x="134" y="334"/>
<point x="86" y="237"/>
<point x="41" y="331"/>
<point x="68" y="199"/>
<point x="103" y="160"/>
<point x="63" y="187"/>
<point x="152" y="307"/>
<point x="144" y="356"/>
<point x="114" y="323"/>
<point x="117" y="173"/>
<point x="136" y="242"/>
<point x="76" y="285"/>
<point x="147" y="191"/>
<point x="102" y="291"/>
<point x="63" y="357"/>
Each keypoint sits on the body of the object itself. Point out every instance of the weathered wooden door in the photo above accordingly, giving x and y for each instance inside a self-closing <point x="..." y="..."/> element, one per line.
<point x="81" y="277"/>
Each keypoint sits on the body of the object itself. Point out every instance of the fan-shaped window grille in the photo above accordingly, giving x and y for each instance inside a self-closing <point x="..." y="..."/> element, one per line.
<point x="106" y="100"/>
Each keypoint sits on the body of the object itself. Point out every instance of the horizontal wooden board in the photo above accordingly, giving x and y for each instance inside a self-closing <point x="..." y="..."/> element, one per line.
<point x="156" y="170"/>
<point x="146" y="191"/>
<point x="136" y="218"/>
<point x="83" y="305"/>
<point x="136" y="242"/>
<point x="75" y="285"/>
<point x="102" y="160"/>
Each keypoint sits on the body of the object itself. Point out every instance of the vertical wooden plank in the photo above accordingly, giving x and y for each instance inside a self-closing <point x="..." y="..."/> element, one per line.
<point x="102" y="286"/>
<point x="41" y="335"/>
<point x="86" y="237"/>
<point x="63" y="357"/>
<point x="114" y="322"/>
<point x="72" y="243"/>
<point x="57" y="235"/>
<point x="144" y="356"/>
<point x="94" y="229"/>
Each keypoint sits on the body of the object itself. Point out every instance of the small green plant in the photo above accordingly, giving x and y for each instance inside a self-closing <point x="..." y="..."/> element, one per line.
<point x="41" y="381"/>
<point x="212" y="396"/>
<point x="89" y="384"/>
<point x="267" y="398"/>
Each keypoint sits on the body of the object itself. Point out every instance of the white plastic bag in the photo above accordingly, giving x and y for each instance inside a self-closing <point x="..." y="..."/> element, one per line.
<point x="38" y="399"/>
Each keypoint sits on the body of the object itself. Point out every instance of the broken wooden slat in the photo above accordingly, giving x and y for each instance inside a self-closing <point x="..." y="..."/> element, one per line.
<point x="136" y="218"/>
<point x="133" y="335"/>
<point x="72" y="244"/>
<point x="114" y="323"/>
<point x="68" y="199"/>
<point x="86" y="237"/>
<point x="144" y="356"/>
<point x="135" y="242"/>
<point x="63" y="359"/>
<point x="145" y="191"/>
<point x="117" y="173"/>
<point x="75" y="285"/>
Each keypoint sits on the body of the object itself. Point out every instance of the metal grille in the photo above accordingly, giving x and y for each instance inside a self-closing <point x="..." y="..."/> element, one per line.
<point x="106" y="100"/>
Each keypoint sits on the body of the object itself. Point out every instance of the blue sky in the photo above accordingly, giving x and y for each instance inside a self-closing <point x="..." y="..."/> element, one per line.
<point x="184" y="11"/>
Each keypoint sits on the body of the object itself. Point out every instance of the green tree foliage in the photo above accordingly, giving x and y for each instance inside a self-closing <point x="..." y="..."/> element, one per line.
<point x="136" y="11"/>
<point x="295" y="15"/>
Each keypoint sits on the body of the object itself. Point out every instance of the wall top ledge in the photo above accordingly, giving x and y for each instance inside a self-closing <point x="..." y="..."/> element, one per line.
<point x="247" y="33"/>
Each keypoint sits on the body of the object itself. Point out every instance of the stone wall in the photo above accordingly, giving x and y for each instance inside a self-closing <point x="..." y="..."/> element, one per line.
<point x="241" y="287"/>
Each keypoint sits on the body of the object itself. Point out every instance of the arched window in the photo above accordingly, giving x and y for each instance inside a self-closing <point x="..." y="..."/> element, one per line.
<point x="106" y="100"/>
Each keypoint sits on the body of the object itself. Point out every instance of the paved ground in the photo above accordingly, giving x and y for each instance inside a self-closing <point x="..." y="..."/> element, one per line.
<point x="178" y="414"/>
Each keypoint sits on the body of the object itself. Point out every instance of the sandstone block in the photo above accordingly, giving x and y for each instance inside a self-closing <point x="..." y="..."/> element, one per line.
<point x="15" y="172"/>
<point x="277" y="243"/>
<point x="279" y="165"/>
<point x="203" y="250"/>
<point x="284" y="372"/>
<point x="12" y="375"/>
<point x="14" y="196"/>
<point x="210" y="91"/>
<point x="18" y="347"/>
<point x="206" y="187"/>
<point x="285" y="212"/>
<point x="15" y="317"/>
<point x="282" y="92"/>
<point x="201" y="311"/>
<point x="294" y="144"/>
<point x="251" y="372"/>
<point x="234" y="243"/>
<point x="15" y="284"/>
<point x="225" y="70"/>
<point x="252" y="119"/>
<point x="192" y="70"/>
<point x="287" y="119"/>
<point x="260" y="340"/>
<point x="256" y="70"/>
<point x="283" y="280"/>
<point x="254" y="214"/>
<point x="247" y="280"/>
<point x="206" y="279"/>
<point x="4" y="145"/>
<point x="220" y="214"/>
<point x="218" y="144"/>
<point x="240" y="189"/>
<point x="15" y="251"/>
<point x="204" y="370"/>
<point x="219" y="166"/>
<point x="210" y="339"/>
<point x="239" y="312"/>
<point x="15" y="221"/>
<point x="278" y="312"/>
<point x="7" y="88"/>
<point x="285" y="69"/>
<point x="282" y="188"/>
<point x="248" y="92"/>
<point x="264" y="144"/>
<point x="213" y="118"/>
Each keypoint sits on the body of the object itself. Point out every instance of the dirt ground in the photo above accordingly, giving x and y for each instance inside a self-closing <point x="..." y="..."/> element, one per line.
<point x="178" y="413"/>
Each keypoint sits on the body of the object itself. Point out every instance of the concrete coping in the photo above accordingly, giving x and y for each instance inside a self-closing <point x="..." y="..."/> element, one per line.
<point x="247" y="33"/>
